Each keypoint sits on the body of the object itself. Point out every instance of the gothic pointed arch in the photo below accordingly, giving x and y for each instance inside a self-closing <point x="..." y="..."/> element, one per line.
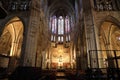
<point x="109" y="38"/>
<point x="109" y="18"/>
<point x="11" y="40"/>
<point x="112" y="25"/>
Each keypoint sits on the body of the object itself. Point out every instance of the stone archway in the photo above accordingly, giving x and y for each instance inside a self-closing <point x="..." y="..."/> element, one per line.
<point x="11" y="42"/>
<point x="109" y="41"/>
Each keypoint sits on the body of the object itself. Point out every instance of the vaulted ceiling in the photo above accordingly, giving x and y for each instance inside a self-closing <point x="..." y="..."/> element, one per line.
<point x="55" y="7"/>
<point x="61" y="7"/>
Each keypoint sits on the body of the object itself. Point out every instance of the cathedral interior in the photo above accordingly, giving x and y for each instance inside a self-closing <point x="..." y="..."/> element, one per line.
<point x="59" y="39"/>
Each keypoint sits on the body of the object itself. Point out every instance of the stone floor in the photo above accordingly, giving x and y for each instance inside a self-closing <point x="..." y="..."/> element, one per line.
<point x="57" y="75"/>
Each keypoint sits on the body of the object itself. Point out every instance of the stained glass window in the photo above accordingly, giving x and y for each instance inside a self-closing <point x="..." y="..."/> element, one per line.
<point x="60" y="26"/>
<point x="51" y="37"/>
<point x="69" y="38"/>
<point x="66" y="38"/>
<point x="59" y="38"/>
<point x="54" y="24"/>
<point x="67" y="24"/>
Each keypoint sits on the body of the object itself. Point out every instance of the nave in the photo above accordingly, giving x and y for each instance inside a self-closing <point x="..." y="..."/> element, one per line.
<point x="50" y="35"/>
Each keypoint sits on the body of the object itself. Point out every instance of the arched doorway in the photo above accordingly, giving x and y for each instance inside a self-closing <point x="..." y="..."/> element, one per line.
<point x="109" y="45"/>
<point x="10" y="43"/>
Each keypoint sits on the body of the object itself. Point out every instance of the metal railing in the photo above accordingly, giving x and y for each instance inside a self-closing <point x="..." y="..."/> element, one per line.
<point x="104" y="57"/>
<point x="107" y="60"/>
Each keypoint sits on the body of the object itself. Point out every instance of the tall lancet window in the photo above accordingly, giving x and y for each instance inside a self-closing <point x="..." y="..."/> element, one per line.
<point x="53" y="27"/>
<point x="54" y="24"/>
<point x="60" y="28"/>
<point x="67" y="25"/>
<point x="60" y="25"/>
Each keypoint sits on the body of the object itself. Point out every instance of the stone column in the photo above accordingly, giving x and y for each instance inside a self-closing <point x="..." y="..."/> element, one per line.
<point x="71" y="57"/>
<point x="43" y="59"/>
<point x="32" y="34"/>
<point x="90" y="33"/>
<point x="39" y="59"/>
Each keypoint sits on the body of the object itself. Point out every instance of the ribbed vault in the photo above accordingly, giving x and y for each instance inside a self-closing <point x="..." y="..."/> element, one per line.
<point x="60" y="7"/>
